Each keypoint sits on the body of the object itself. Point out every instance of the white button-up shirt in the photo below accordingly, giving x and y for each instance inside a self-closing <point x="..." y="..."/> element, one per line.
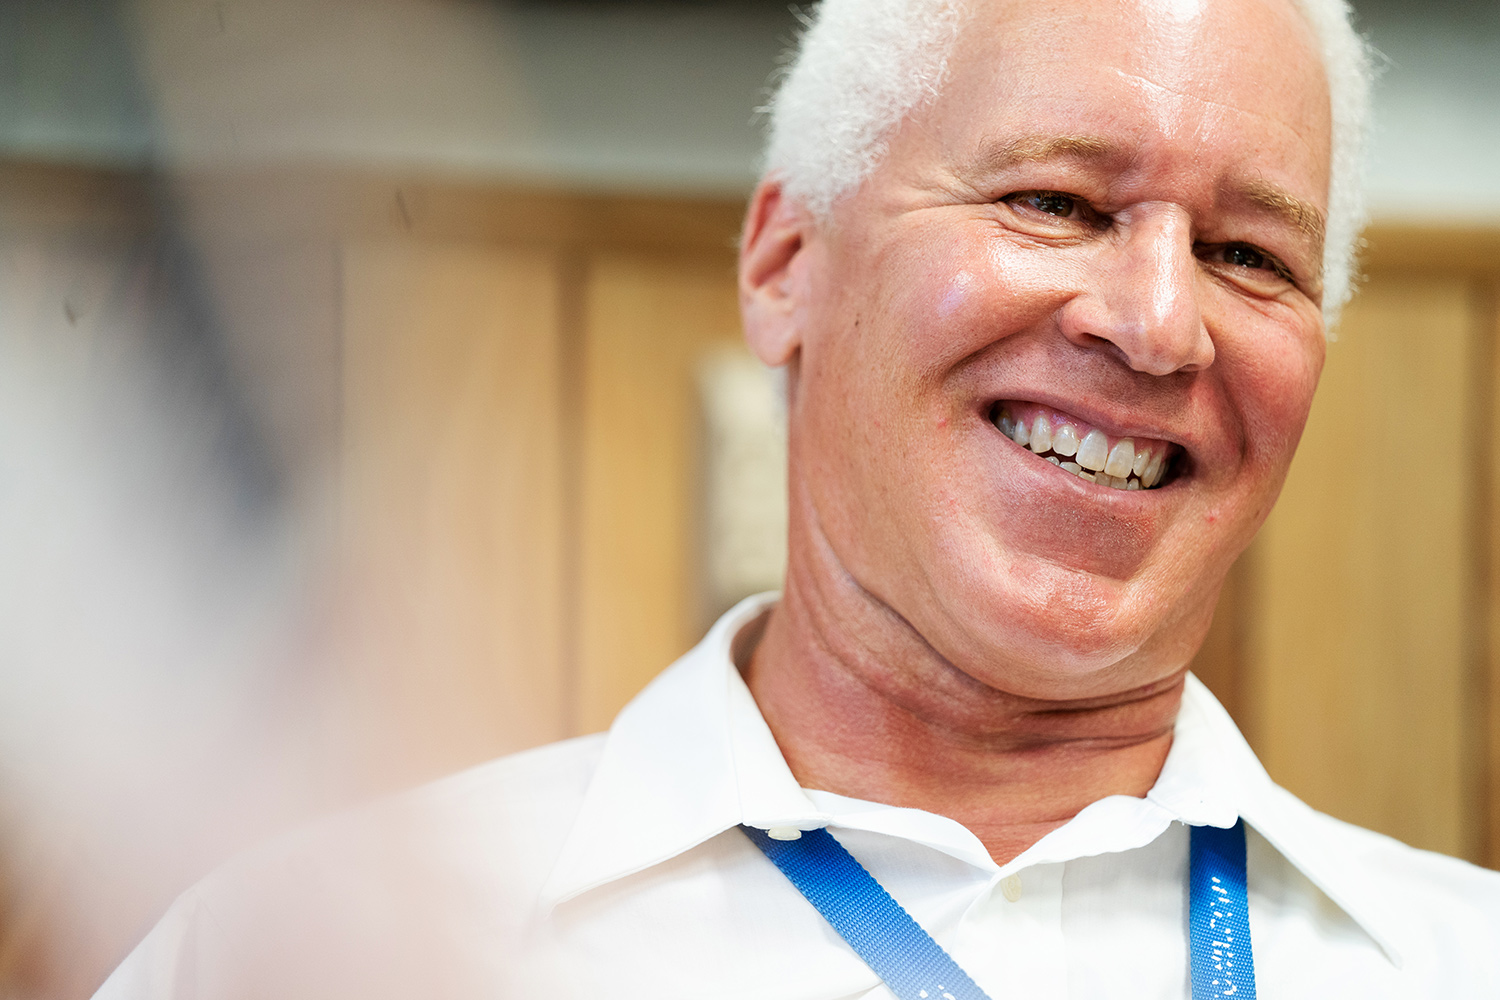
<point x="611" y="866"/>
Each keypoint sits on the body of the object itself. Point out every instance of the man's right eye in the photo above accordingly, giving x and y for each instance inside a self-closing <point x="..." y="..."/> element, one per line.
<point x="1056" y="205"/>
<point x="1050" y="202"/>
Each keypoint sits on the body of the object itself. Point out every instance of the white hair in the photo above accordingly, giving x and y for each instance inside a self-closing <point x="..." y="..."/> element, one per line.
<point x="862" y="66"/>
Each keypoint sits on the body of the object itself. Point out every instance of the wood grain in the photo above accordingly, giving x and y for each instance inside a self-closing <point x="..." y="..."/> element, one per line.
<point x="1487" y="546"/>
<point x="1362" y="599"/>
<point x="648" y="321"/>
<point x="453" y="500"/>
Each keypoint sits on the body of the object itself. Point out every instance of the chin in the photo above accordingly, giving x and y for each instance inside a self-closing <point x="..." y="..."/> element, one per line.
<point x="1041" y="624"/>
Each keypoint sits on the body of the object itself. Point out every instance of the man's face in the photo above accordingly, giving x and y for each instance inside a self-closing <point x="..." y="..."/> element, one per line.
<point x="1109" y="221"/>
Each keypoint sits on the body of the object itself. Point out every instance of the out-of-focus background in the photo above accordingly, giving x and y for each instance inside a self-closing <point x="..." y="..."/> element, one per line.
<point x="371" y="404"/>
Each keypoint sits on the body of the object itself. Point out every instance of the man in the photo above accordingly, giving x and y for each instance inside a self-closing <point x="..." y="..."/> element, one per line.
<point x="1050" y="284"/>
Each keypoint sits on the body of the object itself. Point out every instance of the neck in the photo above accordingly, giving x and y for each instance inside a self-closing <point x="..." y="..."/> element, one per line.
<point x="862" y="706"/>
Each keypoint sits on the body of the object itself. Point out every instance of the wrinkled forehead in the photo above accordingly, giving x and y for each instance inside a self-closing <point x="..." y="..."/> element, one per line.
<point x="1188" y="43"/>
<point x="1232" y="79"/>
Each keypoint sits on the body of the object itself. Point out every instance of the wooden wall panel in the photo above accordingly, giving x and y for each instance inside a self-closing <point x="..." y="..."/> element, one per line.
<point x="453" y="506"/>
<point x="1486" y="537"/>
<point x="647" y="322"/>
<point x="1362" y="597"/>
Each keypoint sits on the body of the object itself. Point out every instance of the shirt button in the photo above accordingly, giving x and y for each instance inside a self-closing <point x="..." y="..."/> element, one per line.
<point x="1011" y="886"/>
<point x="784" y="833"/>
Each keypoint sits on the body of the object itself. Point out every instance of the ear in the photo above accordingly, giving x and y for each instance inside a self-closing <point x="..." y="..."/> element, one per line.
<point x="773" y="281"/>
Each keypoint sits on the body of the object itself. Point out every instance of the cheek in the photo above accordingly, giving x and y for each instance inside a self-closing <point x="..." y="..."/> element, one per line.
<point x="950" y="298"/>
<point x="955" y="295"/>
<point x="1275" y="392"/>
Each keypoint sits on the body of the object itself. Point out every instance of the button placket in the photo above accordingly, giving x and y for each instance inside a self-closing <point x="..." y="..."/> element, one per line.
<point x="1011" y="941"/>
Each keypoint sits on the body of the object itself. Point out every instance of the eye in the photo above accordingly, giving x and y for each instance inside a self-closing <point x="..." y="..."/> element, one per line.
<point x="1051" y="202"/>
<point x="1250" y="258"/>
<point x="1052" y="207"/>
<point x="1243" y="256"/>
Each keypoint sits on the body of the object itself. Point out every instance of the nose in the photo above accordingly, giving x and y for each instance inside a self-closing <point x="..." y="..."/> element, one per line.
<point x="1141" y="296"/>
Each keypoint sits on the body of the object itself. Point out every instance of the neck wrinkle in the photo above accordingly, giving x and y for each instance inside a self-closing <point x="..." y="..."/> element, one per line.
<point x="863" y="706"/>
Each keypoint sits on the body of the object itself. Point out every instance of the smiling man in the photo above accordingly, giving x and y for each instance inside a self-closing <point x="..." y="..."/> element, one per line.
<point x="1049" y="363"/>
<point x="1050" y="282"/>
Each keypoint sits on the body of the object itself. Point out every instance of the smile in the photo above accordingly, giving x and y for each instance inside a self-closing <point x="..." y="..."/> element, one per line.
<point x="1087" y="452"/>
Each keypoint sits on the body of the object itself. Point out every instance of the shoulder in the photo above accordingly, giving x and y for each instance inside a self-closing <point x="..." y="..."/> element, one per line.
<point x="1411" y="876"/>
<point x="512" y="814"/>
<point x="536" y="791"/>
<point x="1443" y="912"/>
<point x="547" y="782"/>
<point x="505" y="819"/>
<point x="396" y="884"/>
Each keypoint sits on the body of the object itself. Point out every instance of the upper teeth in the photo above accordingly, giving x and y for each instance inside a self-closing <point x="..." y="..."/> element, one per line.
<point x="1125" y="466"/>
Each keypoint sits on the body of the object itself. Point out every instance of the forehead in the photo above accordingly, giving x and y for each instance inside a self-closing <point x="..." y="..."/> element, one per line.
<point x="1206" y="86"/>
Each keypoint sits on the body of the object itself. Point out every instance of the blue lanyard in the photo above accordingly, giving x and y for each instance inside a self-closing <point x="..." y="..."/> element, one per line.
<point x="915" y="967"/>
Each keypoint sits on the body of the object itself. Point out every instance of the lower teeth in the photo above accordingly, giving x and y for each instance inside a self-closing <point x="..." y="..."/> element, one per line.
<point x="1131" y="482"/>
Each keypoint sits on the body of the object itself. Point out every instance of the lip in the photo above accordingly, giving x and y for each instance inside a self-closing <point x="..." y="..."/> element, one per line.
<point x="1116" y="425"/>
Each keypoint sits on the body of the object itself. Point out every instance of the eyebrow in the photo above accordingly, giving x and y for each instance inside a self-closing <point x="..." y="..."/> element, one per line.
<point x="1034" y="148"/>
<point x="1303" y="215"/>
<point x="1306" y="217"/>
<point x="1280" y="202"/>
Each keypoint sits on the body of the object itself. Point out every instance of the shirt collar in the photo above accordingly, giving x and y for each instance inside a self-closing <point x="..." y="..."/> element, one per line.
<point x="688" y="758"/>
<point x="1219" y="765"/>
<point x="691" y="757"/>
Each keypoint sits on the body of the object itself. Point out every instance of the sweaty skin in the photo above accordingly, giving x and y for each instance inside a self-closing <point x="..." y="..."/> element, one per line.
<point x="1113" y="209"/>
